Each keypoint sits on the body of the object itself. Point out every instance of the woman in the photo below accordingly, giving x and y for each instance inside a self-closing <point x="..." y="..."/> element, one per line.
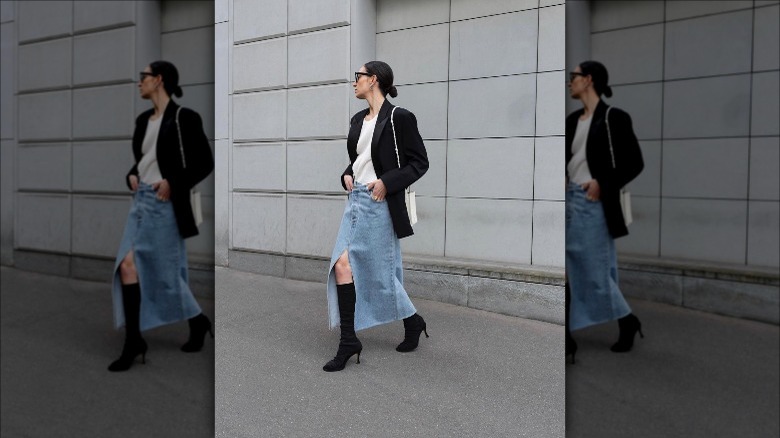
<point x="595" y="173"/>
<point x="365" y="280"/>
<point x="172" y="155"/>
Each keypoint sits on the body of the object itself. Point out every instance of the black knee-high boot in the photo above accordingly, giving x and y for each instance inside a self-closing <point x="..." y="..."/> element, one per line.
<point x="134" y="343"/>
<point x="571" y="346"/>
<point x="199" y="326"/>
<point x="413" y="327"/>
<point x="349" y="344"/>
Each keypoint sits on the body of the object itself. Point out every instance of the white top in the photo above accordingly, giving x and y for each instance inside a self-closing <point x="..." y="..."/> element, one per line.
<point x="579" y="172"/>
<point x="148" y="170"/>
<point x="363" y="167"/>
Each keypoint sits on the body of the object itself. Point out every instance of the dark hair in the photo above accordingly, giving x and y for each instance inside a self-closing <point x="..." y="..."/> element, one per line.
<point x="599" y="75"/>
<point x="384" y="75"/>
<point x="170" y="77"/>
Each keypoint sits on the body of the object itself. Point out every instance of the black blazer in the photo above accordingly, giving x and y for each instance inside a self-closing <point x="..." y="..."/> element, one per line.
<point x="411" y="150"/>
<point x="628" y="159"/>
<point x="197" y="154"/>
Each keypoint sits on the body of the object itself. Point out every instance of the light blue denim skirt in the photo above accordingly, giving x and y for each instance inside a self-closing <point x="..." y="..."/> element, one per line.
<point x="591" y="263"/>
<point x="374" y="252"/>
<point x="160" y="260"/>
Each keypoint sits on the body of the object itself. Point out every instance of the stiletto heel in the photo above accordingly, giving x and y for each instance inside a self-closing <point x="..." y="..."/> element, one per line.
<point x="413" y="327"/>
<point x="629" y="325"/>
<point x="133" y="347"/>
<point x="358" y="358"/>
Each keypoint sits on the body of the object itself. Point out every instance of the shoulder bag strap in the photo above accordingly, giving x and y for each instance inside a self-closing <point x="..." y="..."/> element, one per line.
<point x="181" y="145"/>
<point x="609" y="136"/>
<point x="395" y="141"/>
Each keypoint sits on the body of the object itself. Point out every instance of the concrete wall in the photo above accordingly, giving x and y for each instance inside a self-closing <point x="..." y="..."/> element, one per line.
<point x="74" y="67"/>
<point x="485" y="82"/>
<point x="8" y="27"/>
<point x="700" y="80"/>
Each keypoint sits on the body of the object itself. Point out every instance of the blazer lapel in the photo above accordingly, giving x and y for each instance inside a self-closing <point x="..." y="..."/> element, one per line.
<point x="598" y="119"/>
<point x="384" y="112"/>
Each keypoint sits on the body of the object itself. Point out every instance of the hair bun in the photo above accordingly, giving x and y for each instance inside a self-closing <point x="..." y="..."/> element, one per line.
<point x="393" y="91"/>
<point x="178" y="92"/>
<point x="608" y="91"/>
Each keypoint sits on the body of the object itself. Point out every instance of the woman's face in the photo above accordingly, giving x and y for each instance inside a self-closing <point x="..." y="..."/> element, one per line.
<point x="578" y="83"/>
<point x="362" y="85"/>
<point x="148" y="83"/>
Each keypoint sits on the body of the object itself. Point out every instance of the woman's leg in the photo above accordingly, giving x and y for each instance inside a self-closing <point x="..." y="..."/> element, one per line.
<point x="349" y="344"/>
<point x="131" y="303"/>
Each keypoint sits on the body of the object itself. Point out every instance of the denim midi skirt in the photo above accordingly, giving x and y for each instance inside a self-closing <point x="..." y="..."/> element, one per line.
<point x="591" y="263"/>
<point x="160" y="260"/>
<point x="374" y="252"/>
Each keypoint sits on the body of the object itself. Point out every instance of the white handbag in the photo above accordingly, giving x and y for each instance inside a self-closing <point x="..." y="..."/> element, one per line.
<point x="197" y="207"/>
<point x="411" y="203"/>
<point x="625" y="195"/>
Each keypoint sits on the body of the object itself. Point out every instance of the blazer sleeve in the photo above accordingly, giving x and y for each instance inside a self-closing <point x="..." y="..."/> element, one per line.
<point x="197" y="152"/>
<point x="628" y="155"/>
<point x="413" y="156"/>
<point x="347" y="171"/>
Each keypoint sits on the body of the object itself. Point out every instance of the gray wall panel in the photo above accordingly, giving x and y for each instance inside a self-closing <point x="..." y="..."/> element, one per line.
<point x="648" y="183"/>
<point x="549" y="171"/>
<point x="615" y="14"/>
<point x="727" y="110"/>
<point x="316" y="14"/>
<point x="7" y="12"/>
<point x="691" y="8"/>
<point x="107" y="49"/>
<point x="551" y="103"/>
<point x="259" y="166"/>
<point x="765" y="111"/>
<point x="179" y="15"/>
<point x="259" y="221"/>
<point x="644" y="103"/>
<point x="200" y="98"/>
<point x="222" y="82"/>
<point x="483" y="107"/>
<point x="428" y="238"/>
<point x="55" y="107"/>
<point x="549" y="233"/>
<point x="101" y="165"/>
<point x="98" y="223"/>
<point x="222" y="168"/>
<point x="43" y="222"/>
<point x="90" y="15"/>
<point x="689" y="232"/>
<point x="764" y="234"/>
<point x="46" y="167"/>
<point x="45" y="65"/>
<point x="512" y="39"/>
<point x="192" y="52"/>
<point x="700" y="47"/>
<point x="428" y="103"/>
<point x="643" y="45"/>
<point x="765" y="168"/>
<point x="462" y="9"/>
<point x="552" y="41"/>
<point x="504" y="224"/>
<point x="313" y="223"/>
<point x="316" y="166"/>
<point x="434" y="182"/>
<point x="249" y="110"/>
<point x="272" y="54"/>
<point x="318" y="57"/>
<point x="402" y="14"/>
<point x="765" y="38"/>
<point x="251" y="22"/>
<point x="644" y="233"/>
<point x="7" y="189"/>
<point x="44" y="19"/>
<point x="416" y="55"/>
<point x="711" y="168"/>
<point x="510" y="174"/>
<point x="7" y="79"/>
<point x="330" y="105"/>
<point x="104" y="111"/>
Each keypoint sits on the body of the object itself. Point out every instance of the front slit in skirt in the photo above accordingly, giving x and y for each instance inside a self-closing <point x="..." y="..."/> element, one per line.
<point x="160" y="260"/>
<point x="374" y="252"/>
<point x="591" y="263"/>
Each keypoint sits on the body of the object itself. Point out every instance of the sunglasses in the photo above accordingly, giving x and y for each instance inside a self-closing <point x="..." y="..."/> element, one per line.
<point x="143" y="75"/>
<point x="358" y="74"/>
<point x="573" y="75"/>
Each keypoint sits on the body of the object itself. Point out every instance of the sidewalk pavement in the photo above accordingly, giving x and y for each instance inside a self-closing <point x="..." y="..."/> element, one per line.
<point x="57" y="341"/>
<point x="694" y="374"/>
<point x="480" y="374"/>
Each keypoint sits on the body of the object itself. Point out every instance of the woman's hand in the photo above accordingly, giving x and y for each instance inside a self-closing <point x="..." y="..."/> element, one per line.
<point x="348" y="181"/>
<point x="133" y="183"/>
<point x="163" y="190"/>
<point x="378" y="190"/>
<point x="593" y="190"/>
